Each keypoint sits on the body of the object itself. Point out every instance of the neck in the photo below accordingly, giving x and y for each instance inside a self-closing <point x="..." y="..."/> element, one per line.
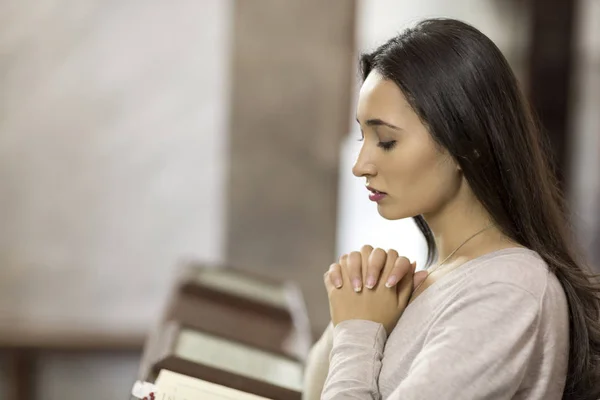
<point x="457" y="221"/>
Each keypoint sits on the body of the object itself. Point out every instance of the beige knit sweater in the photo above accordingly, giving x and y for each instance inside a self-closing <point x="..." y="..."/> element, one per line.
<point x="495" y="328"/>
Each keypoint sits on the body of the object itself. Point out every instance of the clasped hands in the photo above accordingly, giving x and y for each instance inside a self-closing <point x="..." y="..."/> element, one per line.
<point x="372" y="285"/>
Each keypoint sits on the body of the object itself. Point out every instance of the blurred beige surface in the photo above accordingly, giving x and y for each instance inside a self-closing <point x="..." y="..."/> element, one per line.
<point x="112" y="135"/>
<point x="585" y="194"/>
<point x="112" y="142"/>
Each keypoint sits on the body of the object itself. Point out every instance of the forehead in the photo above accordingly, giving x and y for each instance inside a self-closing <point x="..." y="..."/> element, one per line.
<point x="380" y="98"/>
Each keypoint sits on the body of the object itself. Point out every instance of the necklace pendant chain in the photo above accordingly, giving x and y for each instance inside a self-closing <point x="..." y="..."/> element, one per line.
<point x="461" y="245"/>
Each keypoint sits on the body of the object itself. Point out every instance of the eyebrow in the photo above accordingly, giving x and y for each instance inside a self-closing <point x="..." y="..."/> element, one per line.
<point x="378" y="122"/>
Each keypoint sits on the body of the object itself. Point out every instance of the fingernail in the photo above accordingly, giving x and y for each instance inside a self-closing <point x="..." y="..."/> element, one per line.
<point x="337" y="283"/>
<point x="357" y="284"/>
<point x="391" y="281"/>
<point x="370" y="282"/>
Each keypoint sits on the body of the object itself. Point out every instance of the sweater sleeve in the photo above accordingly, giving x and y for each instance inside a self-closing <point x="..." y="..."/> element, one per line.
<point x="355" y="361"/>
<point x="478" y="347"/>
<point x="317" y="366"/>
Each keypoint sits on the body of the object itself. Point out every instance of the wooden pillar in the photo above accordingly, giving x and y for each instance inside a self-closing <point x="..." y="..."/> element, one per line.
<point x="21" y="368"/>
<point x="292" y="73"/>
<point x="550" y="71"/>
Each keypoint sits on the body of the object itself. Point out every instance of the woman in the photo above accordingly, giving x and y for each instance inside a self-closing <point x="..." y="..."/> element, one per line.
<point x="508" y="312"/>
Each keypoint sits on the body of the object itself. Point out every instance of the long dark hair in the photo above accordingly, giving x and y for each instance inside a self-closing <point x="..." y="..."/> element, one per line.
<point x="465" y="92"/>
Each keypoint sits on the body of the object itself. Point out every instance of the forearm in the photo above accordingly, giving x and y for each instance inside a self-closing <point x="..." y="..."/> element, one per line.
<point x="355" y="361"/>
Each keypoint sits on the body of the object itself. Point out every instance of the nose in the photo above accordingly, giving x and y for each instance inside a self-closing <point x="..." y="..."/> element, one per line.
<point x="364" y="167"/>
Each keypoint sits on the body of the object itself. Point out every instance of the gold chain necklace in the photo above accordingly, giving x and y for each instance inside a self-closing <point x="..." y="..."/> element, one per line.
<point x="436" y="268"/>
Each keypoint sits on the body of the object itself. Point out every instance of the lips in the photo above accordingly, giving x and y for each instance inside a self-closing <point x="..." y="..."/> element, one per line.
<point x="376" y="195"/>
<point x="375" y="191"/>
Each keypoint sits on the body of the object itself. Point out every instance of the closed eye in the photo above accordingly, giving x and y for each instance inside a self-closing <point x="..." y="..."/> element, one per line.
<point x="387" y="145"/>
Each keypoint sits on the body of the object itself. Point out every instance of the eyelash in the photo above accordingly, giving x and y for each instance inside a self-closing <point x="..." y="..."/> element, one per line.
<point x="386" y="146"/>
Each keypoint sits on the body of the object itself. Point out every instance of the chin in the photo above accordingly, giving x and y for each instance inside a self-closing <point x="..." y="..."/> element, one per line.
<point x="391" y="214"/>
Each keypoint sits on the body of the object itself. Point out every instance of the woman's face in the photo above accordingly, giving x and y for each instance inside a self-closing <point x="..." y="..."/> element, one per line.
<point x="398" y="156"/>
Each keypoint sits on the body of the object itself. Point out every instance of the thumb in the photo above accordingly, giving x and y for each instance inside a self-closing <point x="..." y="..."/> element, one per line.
<point x="418" y="278"/>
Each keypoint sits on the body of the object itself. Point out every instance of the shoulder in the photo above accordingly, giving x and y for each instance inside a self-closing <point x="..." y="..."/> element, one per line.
<point x="526" y="290"/>
<point x="513" y="288"/>
<point x="516" y="269"/>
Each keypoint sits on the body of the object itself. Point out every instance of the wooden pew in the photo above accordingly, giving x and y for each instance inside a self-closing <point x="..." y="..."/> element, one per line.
<point x="232" y="328"/>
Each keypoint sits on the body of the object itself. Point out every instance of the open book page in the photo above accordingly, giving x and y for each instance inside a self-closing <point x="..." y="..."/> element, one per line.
<point x="174" y="386"/>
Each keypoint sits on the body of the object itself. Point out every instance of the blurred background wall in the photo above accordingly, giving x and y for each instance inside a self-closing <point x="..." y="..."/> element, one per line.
<point x="135" y="134"/>
<point x="112" y="168"/>
<point x="113" y="134"/>
<point x="585" y="131"/>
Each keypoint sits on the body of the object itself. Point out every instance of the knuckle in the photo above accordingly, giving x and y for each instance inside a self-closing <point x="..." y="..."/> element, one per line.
<point x="402" y="265"/>
<point x="366" y="249"/>
<point x="354" y="262"/>
<point x="377" y="259"/>
<point x="403" y="260"/>
<point x="354" y="259"/>
<point x="379" y="250"/>
<point x="332" y="269"/>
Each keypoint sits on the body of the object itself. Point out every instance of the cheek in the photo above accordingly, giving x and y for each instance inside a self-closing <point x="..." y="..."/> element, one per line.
<point x="423" y="182"/>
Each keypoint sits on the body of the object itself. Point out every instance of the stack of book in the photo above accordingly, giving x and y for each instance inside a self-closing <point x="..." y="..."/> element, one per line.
<point x="227" y="334"/>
